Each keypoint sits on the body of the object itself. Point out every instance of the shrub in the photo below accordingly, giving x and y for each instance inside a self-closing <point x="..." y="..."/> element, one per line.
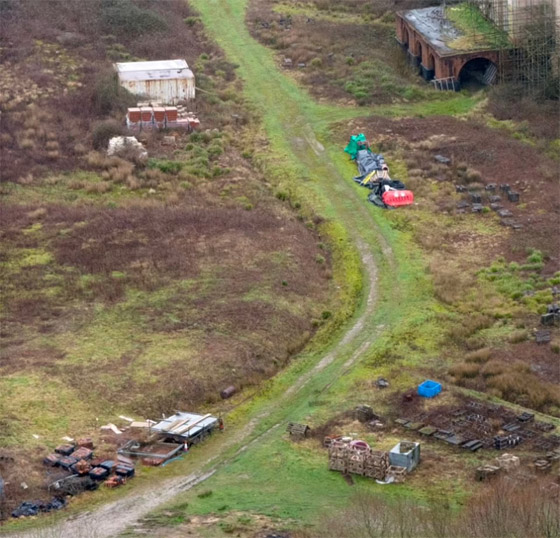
<point x="109" y="95"/>
<point x="123" y="17"/>
<point x="472" y="176"/>
<point x="480" y="355"/>
<point x="167" y="167"/>
<point x="316" y="62"/>
<point x="536" y="257"/>
<point x="518" y="336"/>
<point x="493" y="368"/>
<point x="79" y="149"/>
<point x="27" y="143"/>
<point x="104" y="131"/>
<point x="464" y="370"/>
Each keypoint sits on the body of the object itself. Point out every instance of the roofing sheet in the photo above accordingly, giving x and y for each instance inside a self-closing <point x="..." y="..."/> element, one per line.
<point x="125" y="67"/>
<point x="179" y="424"/>
<point x="165" y="69"/>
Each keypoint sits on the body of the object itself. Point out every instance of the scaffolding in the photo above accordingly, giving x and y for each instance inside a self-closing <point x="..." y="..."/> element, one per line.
<point x="526" y="34"/>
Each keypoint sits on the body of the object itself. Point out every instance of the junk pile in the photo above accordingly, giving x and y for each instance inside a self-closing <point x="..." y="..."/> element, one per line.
<point x="78" y="459"/>
<point x="81" y="471"/>
<point x="476" y="425"/>
<point x="365" y="414"/>
<point x="503" y="463"/>
<point x="78" y="470"/>
<point x="173" y="435"/>
<point x="544" y="464"/>
<point x="356" y="457"/>
<point x="149" y="116"/>
<point x="374" y="174"/>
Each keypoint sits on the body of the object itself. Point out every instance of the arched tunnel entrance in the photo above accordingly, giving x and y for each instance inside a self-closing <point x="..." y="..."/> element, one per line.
<point x="477" y="73"/>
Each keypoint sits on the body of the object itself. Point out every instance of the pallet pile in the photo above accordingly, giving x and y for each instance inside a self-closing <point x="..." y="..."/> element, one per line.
<point x="298" y="431"/>
<point x="363" y="461"/>
<point x="376" y="465"/>
<point x="396" y="473"/>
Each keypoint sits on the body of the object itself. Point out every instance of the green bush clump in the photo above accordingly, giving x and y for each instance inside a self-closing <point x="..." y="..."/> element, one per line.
<point x="166" y="166"/>
<point x="122" y="16"/>
<point x="109" y="96"/>
<point x="104" y="131"/>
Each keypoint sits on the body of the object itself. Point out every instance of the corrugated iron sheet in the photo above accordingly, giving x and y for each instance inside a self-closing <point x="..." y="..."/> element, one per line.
<point x="167" y="91"/>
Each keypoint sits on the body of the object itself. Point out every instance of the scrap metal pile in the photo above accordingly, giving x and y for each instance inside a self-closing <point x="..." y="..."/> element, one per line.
<point x="476" y="425"/>
<point x="373" y="172"/>
<point x="74" y="469"/>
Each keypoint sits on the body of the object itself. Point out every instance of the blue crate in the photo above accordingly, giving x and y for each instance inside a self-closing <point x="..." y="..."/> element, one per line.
<point x="429" y="388"/>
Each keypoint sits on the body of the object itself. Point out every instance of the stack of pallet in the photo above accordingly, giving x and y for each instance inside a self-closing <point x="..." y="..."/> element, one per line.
<point x="398" y="474"/>
<point x="338" y="451"/>
<point x="346" y="457"/>
<point x="376" y="464"/>
<point x="355" y="462"/>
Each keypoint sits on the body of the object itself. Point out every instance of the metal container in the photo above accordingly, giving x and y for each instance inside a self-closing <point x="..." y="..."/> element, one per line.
<point x="405" y="454"/>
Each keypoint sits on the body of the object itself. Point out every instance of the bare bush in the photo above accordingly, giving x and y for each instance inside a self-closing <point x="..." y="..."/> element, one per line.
<point x="505" y="507"/>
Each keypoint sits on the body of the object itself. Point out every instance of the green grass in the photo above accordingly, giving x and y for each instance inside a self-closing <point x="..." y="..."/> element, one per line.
<point x="318" y="182"/>
<point x="273" y="476"/>
<point x="478" y="32"/>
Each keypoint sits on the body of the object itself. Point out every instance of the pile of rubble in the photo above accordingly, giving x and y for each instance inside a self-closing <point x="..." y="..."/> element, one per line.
<point x="356" y="457"/>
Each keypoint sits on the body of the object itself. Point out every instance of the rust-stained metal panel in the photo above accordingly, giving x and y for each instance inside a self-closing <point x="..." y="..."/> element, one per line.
<point x="167" y="91"/>
<point x="167" y="81"/>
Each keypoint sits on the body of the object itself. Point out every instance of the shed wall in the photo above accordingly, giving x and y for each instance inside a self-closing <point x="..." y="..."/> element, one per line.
<point x="167" y="91"/>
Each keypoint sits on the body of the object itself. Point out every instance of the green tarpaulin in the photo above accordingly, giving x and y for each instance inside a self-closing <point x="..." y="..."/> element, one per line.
<point x="356" y="143"/>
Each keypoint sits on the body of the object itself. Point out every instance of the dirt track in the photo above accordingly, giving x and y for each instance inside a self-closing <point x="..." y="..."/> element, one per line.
<point x="114" y="517"/>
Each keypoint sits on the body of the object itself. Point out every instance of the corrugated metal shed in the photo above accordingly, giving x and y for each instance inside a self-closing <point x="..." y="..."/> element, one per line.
<point x="167" y="81"/>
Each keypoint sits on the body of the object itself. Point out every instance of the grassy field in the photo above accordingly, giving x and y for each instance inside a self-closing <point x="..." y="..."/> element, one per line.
<point x="122" y="281"/>
<point x="406" y="337"/>
<point x="275" y="477"/>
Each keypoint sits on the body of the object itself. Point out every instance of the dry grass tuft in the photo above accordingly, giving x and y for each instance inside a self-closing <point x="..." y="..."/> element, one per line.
<point x="479" y="355"/>
<point x="464" y="370"/>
